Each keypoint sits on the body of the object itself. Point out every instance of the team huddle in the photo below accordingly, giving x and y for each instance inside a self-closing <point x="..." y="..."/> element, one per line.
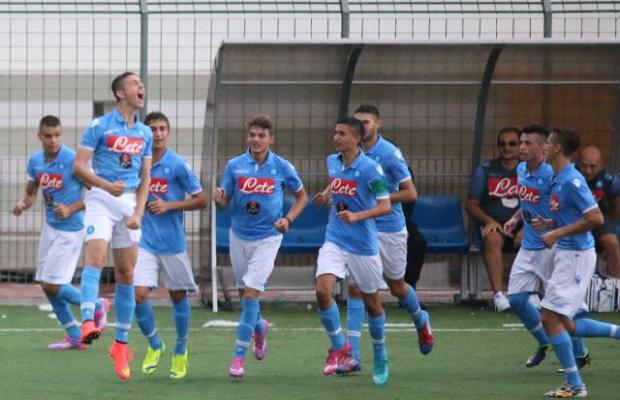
<point x="138" y="190"/>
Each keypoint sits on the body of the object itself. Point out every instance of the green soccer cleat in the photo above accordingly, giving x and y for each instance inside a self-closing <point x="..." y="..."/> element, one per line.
<point x="180" y="362"/>
<point x="381" y="372"/>
<point x="151" y="360"/>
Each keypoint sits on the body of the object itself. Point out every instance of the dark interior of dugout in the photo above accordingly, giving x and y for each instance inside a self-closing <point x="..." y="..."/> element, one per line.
<point x="442" y="102"/>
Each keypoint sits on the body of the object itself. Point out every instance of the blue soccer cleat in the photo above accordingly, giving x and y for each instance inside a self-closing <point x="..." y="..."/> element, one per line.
<point x="381" y="371"/>
<point x="538" y="357"/>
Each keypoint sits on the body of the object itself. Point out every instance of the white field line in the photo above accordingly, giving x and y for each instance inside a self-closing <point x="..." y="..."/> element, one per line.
<point x="231" y="326"/>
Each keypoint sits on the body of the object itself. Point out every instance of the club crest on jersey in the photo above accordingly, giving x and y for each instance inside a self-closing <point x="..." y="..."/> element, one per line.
<point x="343" y="187"/>
<point x="50" y="181"/>
<point x="125" y="144"/>
<point x="158" y="186"/>
<point x="503" y="187"/>
<point x="263" y="186"/>
<point x="554" y="203"/>
<point x="529" y="195"/>
<point x="598" y="194"/>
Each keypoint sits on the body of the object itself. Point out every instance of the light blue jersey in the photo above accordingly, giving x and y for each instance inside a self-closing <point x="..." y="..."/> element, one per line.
<point x="570" y="200"/>
<point x="256" y="193"/>
<point x="117" y="149"/>
<point x="395" y="170"/>
<point x="59" y="186"/>
<point x="534" y="195"/>
<point x="355" y="187"/>
<point x="172" y="179"/>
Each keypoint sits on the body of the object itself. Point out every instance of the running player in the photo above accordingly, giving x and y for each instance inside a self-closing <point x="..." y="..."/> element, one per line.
<point x="253" y="185"/>
<point x="392" y="234"/>
<point x="62" y="235"/>
<point x="162" y="246"/>
<point x="358" y="195"/>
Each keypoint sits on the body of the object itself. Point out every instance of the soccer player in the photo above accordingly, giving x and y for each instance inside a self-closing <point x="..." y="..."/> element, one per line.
<point x="253" y="185"/>
<point x="62" y="235"/>
<point x="120" y="147"/>
<point x="605" y="186"/>
<point x="358" y="195"/>
<point x="162" y="246"/>
<point x="575" y="213"/>
<point x="392" y="234"/>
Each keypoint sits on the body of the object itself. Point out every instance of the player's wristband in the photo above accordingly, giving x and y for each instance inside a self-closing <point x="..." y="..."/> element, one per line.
<point x="290" y="222"/>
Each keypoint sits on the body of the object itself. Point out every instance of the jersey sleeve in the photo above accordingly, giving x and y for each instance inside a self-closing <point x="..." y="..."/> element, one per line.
<point x="30" y="174"/>
<point x="400" y="171"/>
<point x="477" y="184"/>
<point x="376" y="182"/>
<point x="148" y="145"/>
<point x="92" y="135"/>
<point x="577" y="191"/>
<point x="614" y="187"/>
<point x="291" y="178"/>
<point x="189" y="181"/>
<point x="228" y="180"/>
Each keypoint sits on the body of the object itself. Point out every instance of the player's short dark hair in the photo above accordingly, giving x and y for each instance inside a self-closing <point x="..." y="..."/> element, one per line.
<point x="567" y="139"/>
<point x="538" y="129"/>
<point x="355" y="124"/>
<point x="261" y="121"/>
<point x="156" y="116"/>
<point x="51" y="121"/>
<point x="508" y="129"/>
<point x="117" y="83"/>
<point x="367" y="109"/>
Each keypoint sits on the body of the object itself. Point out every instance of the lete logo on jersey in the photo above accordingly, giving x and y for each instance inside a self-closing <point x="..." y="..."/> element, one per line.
<point x="343" y="187"/>
<point x="529" y="195"/>
<point x="158" y="186"/>
<point x="125" y="144"/>
<point x="50" y="181"/>
<point x="554" y="203"/>
<point x="504" y="187"/>
<point x="262" y="186"/>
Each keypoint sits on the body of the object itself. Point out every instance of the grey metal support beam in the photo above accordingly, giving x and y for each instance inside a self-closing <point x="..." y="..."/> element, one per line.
<point x="546" y="89"/>
<point x="481" y="105"/>
<point x="347" y="82"/>
<point x="144" y="50"/>
<point x="345" y="19"/>
<point x="548" y="18"/>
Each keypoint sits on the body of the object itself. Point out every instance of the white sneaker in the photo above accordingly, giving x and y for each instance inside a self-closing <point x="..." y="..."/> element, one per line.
<point x="501" y="302"/>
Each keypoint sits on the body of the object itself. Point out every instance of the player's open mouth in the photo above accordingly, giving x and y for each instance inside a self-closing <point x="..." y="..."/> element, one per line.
<point x="141" y="96"/>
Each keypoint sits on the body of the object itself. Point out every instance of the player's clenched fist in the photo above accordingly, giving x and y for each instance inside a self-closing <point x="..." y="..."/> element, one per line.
<point x="348" y="216"/>
<point x="116" y="188"/>
<point x="219" y="196"/>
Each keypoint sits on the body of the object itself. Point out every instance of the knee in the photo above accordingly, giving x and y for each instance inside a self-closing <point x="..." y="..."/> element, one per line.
<point x="373" y="306"/>
<point x="609" y="243"/>
<point x="142" y="295"/>
<point x="355" y="292"/>
<point x="49" y="288"/>
<point x="398" y="288"/>
<point x="323" y="295"/>
<point x="518" y="301"/>
<point x="493" y="241"/>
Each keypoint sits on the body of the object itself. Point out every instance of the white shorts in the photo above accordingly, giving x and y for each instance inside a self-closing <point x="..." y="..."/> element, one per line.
<point x="566" y="290"/>
<point x="106" y="215"/>
<point x="253" y="260"/>
<point x="58" y="255"/>
<point x="393" y="251"/>
<point x="531" y="270"/>
<point x="176" y="271"/>
<point x="365" y="271"/>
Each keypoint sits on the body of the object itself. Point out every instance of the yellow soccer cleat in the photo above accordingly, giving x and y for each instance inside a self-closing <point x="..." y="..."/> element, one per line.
<point x="151" y="360"/>
<point x="180" y="362"/>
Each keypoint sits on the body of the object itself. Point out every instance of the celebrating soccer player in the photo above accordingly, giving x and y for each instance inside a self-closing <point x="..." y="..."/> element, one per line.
<point x="358" y="195"/>
<point x="253" y="185"/>
<point x="62" y="235"/>
<point x="120" y="146"/>
<point x="162" y="246"/>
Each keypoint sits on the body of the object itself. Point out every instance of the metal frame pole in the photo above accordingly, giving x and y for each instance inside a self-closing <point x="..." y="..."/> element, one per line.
<point x="144" y="50"/>
<point x="347" y="81"/>
<point x="345" y="19"/>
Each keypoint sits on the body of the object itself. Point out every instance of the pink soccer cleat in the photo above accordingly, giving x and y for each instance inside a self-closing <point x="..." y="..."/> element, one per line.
<point x="236" y="368"/>
<point x="334" y="358"/>
<point x="67" y="343"/>
<point x="260" y="342"/>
